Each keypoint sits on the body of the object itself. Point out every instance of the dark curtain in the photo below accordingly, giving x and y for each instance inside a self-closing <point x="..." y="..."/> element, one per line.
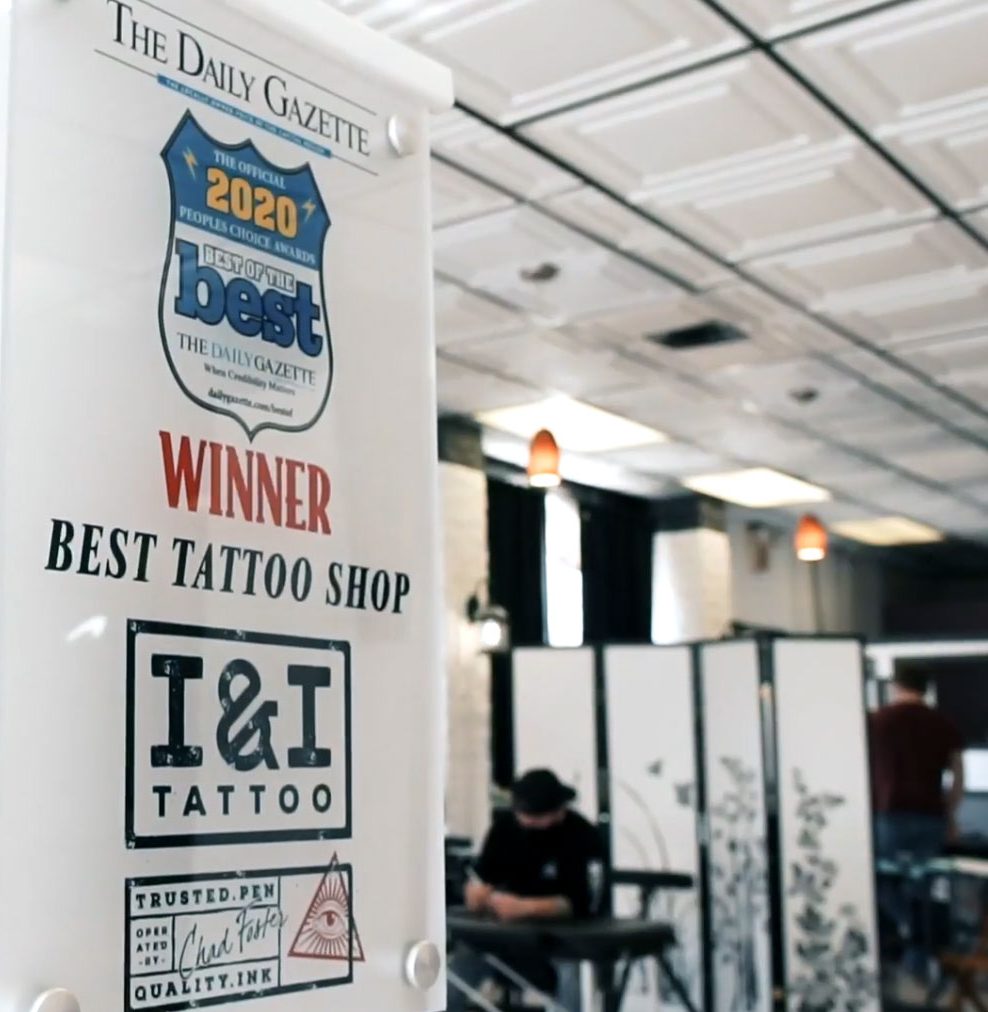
<point x="515" y="531"/>
<point x="617" y="570"/>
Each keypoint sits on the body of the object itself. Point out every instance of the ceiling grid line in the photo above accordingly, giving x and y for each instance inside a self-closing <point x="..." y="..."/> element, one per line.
<point x="712" y="61"/>
<point x="859" y="342"/>
<point x="763" y="223"/>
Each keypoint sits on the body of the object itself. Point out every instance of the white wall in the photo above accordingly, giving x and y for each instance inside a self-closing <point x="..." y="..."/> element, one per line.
<point x="691" y="585"/>
<point x="848" y="588"/>
<point x="463" y="505"/>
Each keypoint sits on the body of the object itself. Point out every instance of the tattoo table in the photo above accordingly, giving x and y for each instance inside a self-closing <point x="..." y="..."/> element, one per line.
<point x="603" y="942"/>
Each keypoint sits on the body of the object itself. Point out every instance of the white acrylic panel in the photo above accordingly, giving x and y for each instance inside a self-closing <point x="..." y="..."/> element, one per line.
<point x="508" y="61"/>
<point x="914" y="77"/>
<point x="825" y="824"/>
<point x="547" y="683"/>
<point x="284" y="812"/>
<point x="652" y="780"/>
<point x="735" y="781"/>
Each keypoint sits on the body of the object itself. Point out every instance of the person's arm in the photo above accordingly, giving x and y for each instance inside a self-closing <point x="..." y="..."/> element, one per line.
<point x="956" y="793"/>
<point x="521" y="908"/>
<point x="478" y="895"/>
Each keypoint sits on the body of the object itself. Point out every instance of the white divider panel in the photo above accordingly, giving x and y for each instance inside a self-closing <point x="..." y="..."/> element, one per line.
<point x="651" y="746"/>
<point x="555" y="718"/>
<point x="739" y="890"/>
<point x="825" y="808"/>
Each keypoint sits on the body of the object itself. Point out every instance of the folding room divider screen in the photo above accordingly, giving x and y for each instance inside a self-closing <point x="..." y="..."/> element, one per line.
<point x="744" y="764"/>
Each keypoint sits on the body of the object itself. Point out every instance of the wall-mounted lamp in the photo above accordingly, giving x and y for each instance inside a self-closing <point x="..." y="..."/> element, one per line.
<point x="543" y="461"/>
<point x="811" y="539"/>
<point x="491" y="622"/>
<point x="759" y="539"/>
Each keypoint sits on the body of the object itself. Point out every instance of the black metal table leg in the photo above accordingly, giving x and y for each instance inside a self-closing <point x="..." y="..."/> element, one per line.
<point x="675" y="983"/>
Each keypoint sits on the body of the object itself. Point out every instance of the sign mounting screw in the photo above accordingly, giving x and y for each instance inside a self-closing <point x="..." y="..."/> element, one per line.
<point x="402" y="136"/>
<point x="57" y="1000"/>
<point x="422" y="965"/>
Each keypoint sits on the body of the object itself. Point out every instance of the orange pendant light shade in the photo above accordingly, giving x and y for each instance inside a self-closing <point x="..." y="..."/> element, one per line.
<point x="811" y="539"/>
<point x="543" y="461"/>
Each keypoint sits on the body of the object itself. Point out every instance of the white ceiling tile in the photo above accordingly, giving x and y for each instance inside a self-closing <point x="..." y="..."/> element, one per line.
<point x="494" y="156"/>
<point x="463" y="316"/>
<point x="951" y="460"/>
<point x="773" y="332"/>
<point x="518" y="58"/>
<point x="976" y="489"/>
<point x="855" y="271"/>
<point x="490" y="254"/>
<point x="758" y="165"/>
<point x="705" y="127"/>
<point x="772" y="18"/>
<point x="776" y="324"/>
<point x="571" y="363"/>
<point x="462" y="390"/>
<point x="979" y="220"/>
<point x="930" y="307"/>
<point x="772" y="387"/>
<point x="672" y="406"/>
<point x="596" y="212"/>
<point x="834" y="189"/>
<point x="675" y="460"/>
<point x="915" y="77"/>
<point x="457" y="196"/>
<point x="954" y="358"/>
<point x="763" y="441"/>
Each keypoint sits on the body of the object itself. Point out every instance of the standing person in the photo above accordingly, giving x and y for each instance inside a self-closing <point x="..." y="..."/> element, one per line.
<point x="535" y="863"/>
<point x="913" y="747"/>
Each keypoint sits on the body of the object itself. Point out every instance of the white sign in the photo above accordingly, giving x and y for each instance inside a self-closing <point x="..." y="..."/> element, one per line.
<point x="220" y="698"/>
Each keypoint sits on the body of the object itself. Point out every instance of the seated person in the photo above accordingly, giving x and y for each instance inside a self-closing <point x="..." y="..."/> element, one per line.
<point x="534" y="864"/>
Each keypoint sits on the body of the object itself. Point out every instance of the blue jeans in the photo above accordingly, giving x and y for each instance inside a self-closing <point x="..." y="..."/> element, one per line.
<point x="473" y="970"/>
<point x="910" y="840"/>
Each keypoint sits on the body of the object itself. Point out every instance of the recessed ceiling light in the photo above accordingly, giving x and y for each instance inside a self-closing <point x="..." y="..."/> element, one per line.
<point x="576" y="426"/>
<point x="757" y="487"/>
<point x="888" y="531"/>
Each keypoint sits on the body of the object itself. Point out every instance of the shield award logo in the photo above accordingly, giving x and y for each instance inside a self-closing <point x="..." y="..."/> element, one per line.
<point x="243" y="311"/>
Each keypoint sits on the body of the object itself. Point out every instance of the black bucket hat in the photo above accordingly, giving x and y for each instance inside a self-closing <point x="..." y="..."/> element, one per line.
<point x="540" y="792"/>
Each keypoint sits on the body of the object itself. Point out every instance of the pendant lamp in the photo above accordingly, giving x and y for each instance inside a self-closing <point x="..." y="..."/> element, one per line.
<point x="811" y="539"/>
<point x="543" y="461"/>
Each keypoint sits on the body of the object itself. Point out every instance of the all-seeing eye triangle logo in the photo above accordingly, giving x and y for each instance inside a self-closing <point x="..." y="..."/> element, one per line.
<point x="328" y="930"/>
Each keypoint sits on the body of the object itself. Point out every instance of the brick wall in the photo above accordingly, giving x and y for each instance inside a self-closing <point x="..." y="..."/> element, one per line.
<point x="463" y="504"/>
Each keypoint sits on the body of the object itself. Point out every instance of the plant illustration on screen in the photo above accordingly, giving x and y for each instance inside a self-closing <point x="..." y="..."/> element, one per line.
<point x="835" y="968"/>
<point x="653" y="853"/>
<point x="739" y="892"/>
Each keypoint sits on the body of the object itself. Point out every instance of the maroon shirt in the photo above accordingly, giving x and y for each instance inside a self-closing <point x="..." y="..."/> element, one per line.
<point x="911" y="748"/>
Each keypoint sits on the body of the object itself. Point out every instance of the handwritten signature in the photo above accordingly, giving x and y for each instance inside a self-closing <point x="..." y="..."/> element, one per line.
<point x="253" y="924"/>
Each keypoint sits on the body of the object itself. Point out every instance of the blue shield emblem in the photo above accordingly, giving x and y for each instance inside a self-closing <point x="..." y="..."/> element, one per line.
<point x="243" y="312"/>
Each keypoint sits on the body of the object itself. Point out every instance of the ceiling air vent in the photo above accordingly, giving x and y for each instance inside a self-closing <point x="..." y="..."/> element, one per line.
<point x="701" y="335"/>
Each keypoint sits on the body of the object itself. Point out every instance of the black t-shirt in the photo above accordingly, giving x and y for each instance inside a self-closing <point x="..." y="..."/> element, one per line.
<point x="535" y="863"/>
